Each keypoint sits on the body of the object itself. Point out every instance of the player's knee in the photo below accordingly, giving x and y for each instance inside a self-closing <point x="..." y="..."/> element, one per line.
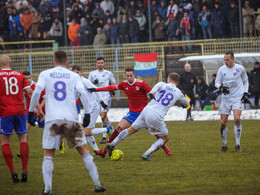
<point x="237" y="120"/>
<point x="223" y="124"/>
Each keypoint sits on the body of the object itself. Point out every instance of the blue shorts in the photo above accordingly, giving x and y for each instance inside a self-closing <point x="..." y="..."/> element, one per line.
<point x="40" y="123"/>
<point x="131" y="116"/>
<point x="8" y="123"/>
<point x="78" y="108"/>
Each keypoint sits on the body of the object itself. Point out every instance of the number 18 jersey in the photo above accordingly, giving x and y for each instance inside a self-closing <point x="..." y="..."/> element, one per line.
<point x="61" y="92"/>
<point x="12" y="84"/>
<point x="166" y="96"/>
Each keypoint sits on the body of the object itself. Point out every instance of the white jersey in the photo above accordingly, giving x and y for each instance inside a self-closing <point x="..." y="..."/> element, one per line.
<point x="61" y="86"/>
<point x="235" y="78"/>
<point x="166" y="96"/>
<point x="94" y="98"/>
<point x="105" y="78"/>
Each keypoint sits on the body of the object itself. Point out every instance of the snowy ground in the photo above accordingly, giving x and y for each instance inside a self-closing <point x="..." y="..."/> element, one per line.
<point x="179" y="114"/>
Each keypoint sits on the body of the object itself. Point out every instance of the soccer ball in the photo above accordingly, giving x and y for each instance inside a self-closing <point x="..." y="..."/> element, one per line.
<point x="117" y="155"/>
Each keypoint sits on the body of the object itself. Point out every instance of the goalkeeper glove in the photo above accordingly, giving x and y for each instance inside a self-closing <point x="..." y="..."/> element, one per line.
<point x="245" y="99"/>
<point x="95" y="81"/>
<point x="30" y="118"/>
<point x="224" y="90"/>
<point x="86" y="120"/>
<point x="104" y="105"/>
<point x="152" y="96"/>
<point x="91" y="90"/>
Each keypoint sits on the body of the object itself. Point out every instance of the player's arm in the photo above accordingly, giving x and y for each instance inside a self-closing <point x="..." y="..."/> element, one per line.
<point x="107" y="88"/>
<point x="28" y="91"/>
<point x="245" y="81"/>
<point x="154" y="90"/>
<point x="183" y="101"/>
<point x="219" y="85"/>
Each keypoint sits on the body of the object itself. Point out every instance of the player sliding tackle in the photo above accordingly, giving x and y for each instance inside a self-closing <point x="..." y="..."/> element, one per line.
<point x="152" y="115"/>
<point x="136" y="91"/>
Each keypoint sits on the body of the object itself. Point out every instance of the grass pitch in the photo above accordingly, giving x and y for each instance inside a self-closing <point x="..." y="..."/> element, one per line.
<point x="196" y="166"/>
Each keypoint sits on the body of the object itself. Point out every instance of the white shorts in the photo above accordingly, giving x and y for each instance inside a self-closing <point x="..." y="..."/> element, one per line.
<point x="229" y="104"/>
<point x="153" y="121"/>
<point x="93" y="117"/>
<point x="106" y="101"/>
<point x="54" y="131"/>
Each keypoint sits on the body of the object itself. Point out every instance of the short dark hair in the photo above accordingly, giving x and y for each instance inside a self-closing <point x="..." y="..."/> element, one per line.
<point x="26" y="72"/>
<point x="76" y="67"/>
<point x="60" y="57"/>
<point x="129" y="69"/>
<point x="100" y="58"/>
<point x="230" y="53"/>
<point x="174" y="77"/>
<point x="257" y="63"/>
<point x="214" y="75"/>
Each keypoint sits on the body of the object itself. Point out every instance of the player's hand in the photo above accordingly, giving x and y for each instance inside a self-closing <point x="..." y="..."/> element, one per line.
<point x="152" y="96"/>
<point x="224" y="90"/>
<point x="86" y="120"/>
<point x="112" y="93"/>
<point x="104" y="105"/>
<point x="95" y="81"/>
<point x="91" y="90"/>
<point x="30" y="118"/>
<point x="245" y="99"/>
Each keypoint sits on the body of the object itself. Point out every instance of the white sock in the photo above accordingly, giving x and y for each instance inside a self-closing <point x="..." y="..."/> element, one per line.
<point x="224" y="135"/>
<point x="120" y="137"/>
<point x="238" y="132"/>
<point x="97" y="131"/>
<point x="47" y="171"/>
<point x="91" y="140"/>
<point x="155" y="146"/>
<point x="91" y="167"/>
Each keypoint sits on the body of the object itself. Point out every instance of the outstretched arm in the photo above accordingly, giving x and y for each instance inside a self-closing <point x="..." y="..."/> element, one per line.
<point x="107" y="88"/>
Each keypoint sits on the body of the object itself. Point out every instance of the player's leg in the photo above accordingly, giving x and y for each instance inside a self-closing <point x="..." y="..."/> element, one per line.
<point x="165" y="148"/>
<point x="90" y="138"/>
<point x="91" y="167"/>
<point x="224" y="132"/>
<point x="47" y="170"/>
<point x="105" y="123"/>
<point x="237" y="128"/>
<point x="24" y="154"/>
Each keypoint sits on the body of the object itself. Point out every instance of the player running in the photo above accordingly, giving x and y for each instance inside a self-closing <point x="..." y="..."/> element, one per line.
<point x="63" y="87"/>
<point x="96" y="103"/>
<point x="102" y="78"/>
<point x="232" y="81"/>
<point x="152" y="115"/>
<point x="12" y="114"/>
<point x="136" y="91"/>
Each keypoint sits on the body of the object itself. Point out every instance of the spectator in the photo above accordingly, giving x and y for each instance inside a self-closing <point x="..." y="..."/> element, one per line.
<point x="31" y="8"/>
<point x="114" y="32"/>
<point x="163" y="10"/>
<point x="54" y="3"/>
<point x="159" y="29"/>
<point x="193" y="19"/>
<point x="88" y="17"/>
<point x="133" y="30"/>
<point x="247" y="13"/>
<point x="26" y="21"/>
<point x="123" y="30"/>
<point x="83" y="26"/>
<point x="131" y="8"/>
<point x="173" y="28"/>
<point x="100" y="38"/>
<point x="56" y="13"/>
<point x="80" y="4"/>
<point x="100" y="12"/>
<point x="21" y="9"/>
<point x="141" y="19"/>
<point x="254" y="81"/>
<point x="204" y="21"/>
<point x="201" y="92"/>
<point x="212" y="84"/>
<point x="87" y="38"/>
<point x="44" y="8"/>
<point x="106" y="30"/>
<point x="15" y="17"/>
<point x="57" y="31"/>
<point x="14" y="32"/>
<point x="73" y="33"/>
<point x="218" y="19"/>
<point x="76" y="13"/>
<point x="96" y="23"/>
<point x="180" y="14"/>
<point x="91" y="4"/>
<point x="48" y="21"/>
<point x="187" y="83"/>
<point x="197" y="6"/>
<point x="154" y="11"/>
<point x="42" y="27"/>
<point x="185" y="29"/>
<point x="20" y="39"/>
<point x="233" y="19"/>
<point x="121" y="11"/>
<point x="257" y="24"/>
<point x="172" y="9"/>
<point x="36" y="19"/>
<point x="107" y="5"/>
<point x="140" y="6"/>
<point x="19" y="2"/>
<point x="184" y="4"/>
<point x="107" y="16"/>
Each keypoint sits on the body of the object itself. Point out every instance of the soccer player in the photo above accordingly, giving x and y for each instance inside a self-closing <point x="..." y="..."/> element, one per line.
<point x="96" y="103"/>
<point x="63" y="87"/>
<point x="12" y="114"/>
<point x="232" y="81"/>
<point x="152" y="115"/>
<point x="102" y="78"/>
<point x="136" y="91"/>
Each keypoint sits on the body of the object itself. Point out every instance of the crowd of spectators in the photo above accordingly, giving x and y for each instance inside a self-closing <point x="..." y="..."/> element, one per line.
<point x="101" y="22"/>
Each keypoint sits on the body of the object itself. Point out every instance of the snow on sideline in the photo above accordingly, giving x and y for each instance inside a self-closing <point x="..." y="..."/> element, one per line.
<point x="179" y="114"/>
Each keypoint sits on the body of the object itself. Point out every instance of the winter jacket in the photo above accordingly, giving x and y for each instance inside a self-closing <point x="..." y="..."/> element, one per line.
<point x="73" y="31"/>
<point x="133" y="28"/>
<point x="185" y="26"/>
<point x="158" y="32"/>
<point x="114" y="30"/>
<point x="254" y="80"/>
<point x="100" y="39"/>
<point x="173" y="27"/>
<point x="86" y="39"/>
<point x="233" y="15"/>
<point x="26" y="20"/>
<point x="123" y="28"/>
<point x="218" y="17"/>
<point x="201" y="90"/>
<point x="205" y="19"/>
<point x="56" y="29"/>
<point x="187" y="82"/>
<point x="35" y="25"/>
<point x="247" y="19"/>
<point x="141" y="19"/>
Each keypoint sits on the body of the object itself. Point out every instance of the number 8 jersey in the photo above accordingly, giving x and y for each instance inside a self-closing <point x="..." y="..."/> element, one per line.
<point x="12" y="84"/>
<point x="61" y="92"/>
<point x="166" y="96"/>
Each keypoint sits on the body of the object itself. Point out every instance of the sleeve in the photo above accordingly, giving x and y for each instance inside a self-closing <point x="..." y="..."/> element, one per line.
<point x="91" y="85"/>
<point x="112" y="79"/>
<point x="90" y="77"/>
<point x="35" y="97"/>
<point x="41" y="81"/>
<point x="84" y="96"/>
<point x="218" y="81"/>
<point x="156" y="88"/>
<point x="146" y="87"/>
<point x="108" y="88"/>
<point x="25" y="83"/>
<point x="245" y="80"/>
